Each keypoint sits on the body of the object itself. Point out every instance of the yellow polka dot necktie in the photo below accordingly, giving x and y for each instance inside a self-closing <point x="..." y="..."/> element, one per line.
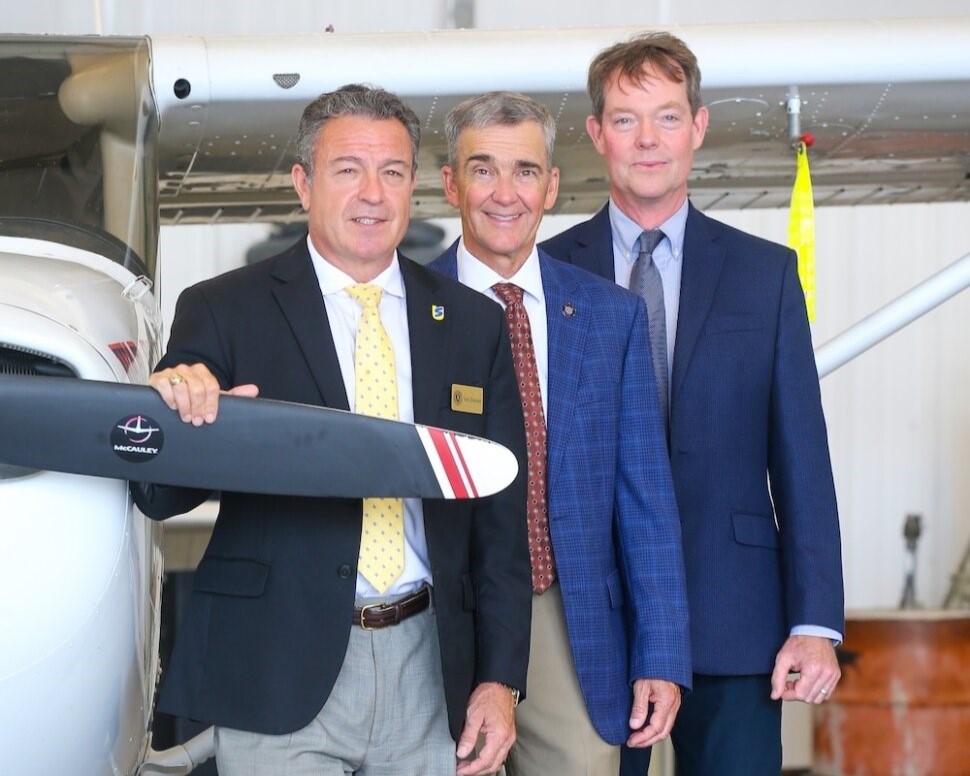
<point x="381" y="558"/>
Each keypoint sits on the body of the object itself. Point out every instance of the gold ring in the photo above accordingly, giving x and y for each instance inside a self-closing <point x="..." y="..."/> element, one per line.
<point x="175" y="379"/>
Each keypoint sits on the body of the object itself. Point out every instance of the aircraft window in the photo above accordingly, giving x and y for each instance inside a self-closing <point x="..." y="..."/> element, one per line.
<point x="64" y="130"/>
<point x="87" y="238"/>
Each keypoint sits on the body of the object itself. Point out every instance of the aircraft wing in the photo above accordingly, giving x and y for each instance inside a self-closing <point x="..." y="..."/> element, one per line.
<point x="888" y="103"/>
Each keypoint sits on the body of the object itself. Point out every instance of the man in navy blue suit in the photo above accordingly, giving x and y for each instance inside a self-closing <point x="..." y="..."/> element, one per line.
<point x="748" y="445"/>
<point x="609" y="634"/>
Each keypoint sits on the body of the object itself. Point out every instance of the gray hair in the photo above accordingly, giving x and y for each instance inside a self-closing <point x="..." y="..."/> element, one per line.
<point x="507" y="109"/>
<point x="361" y="100"/>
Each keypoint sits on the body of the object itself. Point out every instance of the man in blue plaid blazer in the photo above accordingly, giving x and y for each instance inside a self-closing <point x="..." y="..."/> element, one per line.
<point x="610" y="635"/>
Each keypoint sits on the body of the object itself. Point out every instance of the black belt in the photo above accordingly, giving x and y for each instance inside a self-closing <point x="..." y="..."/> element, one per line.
<point x="378" y="616"/>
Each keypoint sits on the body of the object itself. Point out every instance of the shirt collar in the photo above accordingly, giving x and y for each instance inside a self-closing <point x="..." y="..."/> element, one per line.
<point x="477" y="275"/>
<point x="626" y="234"/>
<point x="334" y="281"/>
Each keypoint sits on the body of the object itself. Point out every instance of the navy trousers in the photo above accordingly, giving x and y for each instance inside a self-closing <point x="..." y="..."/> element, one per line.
<point x="727" y="725"/>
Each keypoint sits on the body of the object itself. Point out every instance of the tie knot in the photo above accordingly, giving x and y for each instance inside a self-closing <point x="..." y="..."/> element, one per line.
<point x="508" y="293"/>
<point x="649" y="240"/>
<point x="367" y="295"/>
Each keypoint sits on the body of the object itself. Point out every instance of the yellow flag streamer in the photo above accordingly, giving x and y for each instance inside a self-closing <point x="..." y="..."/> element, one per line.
<point x="801" y="227"/>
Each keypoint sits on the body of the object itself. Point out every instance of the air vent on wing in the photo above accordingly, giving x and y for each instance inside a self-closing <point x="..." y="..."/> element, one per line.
<point x="20" y="361"/>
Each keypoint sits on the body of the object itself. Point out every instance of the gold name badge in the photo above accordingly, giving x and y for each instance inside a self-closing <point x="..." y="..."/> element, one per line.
<point x="467" y="398"/>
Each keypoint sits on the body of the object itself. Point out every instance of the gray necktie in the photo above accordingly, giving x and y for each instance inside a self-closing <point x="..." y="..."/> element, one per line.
<point x="645" y="281"/>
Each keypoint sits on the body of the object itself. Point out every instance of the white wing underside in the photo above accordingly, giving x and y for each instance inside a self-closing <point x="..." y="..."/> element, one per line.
<point x="888" y="103"/>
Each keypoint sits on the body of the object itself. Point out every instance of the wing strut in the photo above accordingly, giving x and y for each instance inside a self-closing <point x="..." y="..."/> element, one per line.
<point x="889" y="319"/>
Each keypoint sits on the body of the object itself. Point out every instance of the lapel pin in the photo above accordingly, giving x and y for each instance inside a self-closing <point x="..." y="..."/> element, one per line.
<point x="568" y="310"/>
<point x="438" y="312"/>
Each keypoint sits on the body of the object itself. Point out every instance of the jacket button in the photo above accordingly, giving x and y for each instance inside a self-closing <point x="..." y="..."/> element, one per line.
<point x="344" y="571"/>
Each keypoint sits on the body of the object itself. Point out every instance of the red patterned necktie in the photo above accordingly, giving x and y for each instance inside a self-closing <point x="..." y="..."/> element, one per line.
<point x="527" y="374"/>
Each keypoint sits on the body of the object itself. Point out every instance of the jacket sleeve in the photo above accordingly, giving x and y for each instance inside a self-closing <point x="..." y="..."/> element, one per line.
<point x="648" y="524"/>
<point x="193" y="340"/>
<point x="800" y="472"/>
<point x="500" y="550"/>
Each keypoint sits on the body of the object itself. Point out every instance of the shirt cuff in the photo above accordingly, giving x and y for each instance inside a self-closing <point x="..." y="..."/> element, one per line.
<point x="817" y="630"/>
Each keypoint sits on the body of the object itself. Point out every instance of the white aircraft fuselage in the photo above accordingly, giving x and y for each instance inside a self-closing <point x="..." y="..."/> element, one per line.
<point x="80" y="570"/>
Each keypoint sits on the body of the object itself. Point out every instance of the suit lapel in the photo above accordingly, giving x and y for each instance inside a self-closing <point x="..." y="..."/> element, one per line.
<point x="447" y="262"/>
<point x="301" y="303"/>
<point x="566" y="335"/>
<point x="703" y="261"/>
<point x="594" y="246"/>
<point x="429" y="341"/>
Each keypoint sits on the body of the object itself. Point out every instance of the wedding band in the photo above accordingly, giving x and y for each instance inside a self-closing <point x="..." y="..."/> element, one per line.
<point x="175" y="379"/>
<point x="824" y="691"/>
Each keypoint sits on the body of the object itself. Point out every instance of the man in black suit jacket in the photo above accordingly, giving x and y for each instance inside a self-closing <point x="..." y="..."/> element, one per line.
<point x="267" y="651"/>
<point x="748" y="447"/>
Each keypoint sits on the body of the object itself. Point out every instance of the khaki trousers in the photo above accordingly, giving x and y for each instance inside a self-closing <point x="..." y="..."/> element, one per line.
<point x="554" y="732"/>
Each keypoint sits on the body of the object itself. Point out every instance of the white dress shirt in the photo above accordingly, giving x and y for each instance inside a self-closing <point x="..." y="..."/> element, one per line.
<point x="480" y="277"/>
<point x="344" y="315"/>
